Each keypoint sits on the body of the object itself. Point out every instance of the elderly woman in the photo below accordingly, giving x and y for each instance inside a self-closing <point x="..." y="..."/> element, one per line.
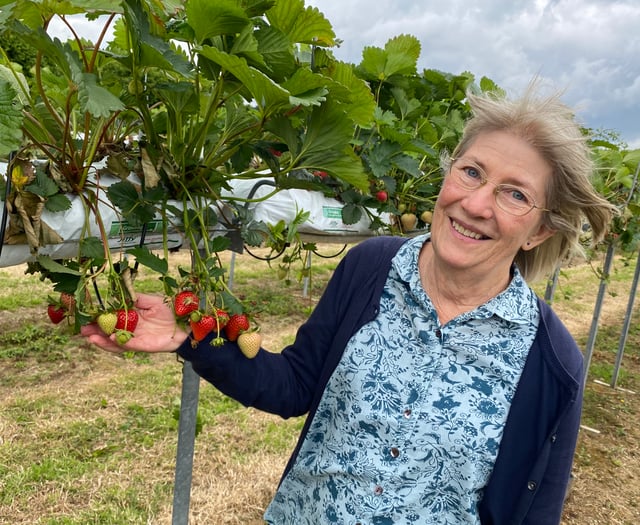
<point x="439" y="389"/>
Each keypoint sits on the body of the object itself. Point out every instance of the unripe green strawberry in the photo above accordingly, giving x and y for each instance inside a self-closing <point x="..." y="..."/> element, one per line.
<point x="123" y="336"/>
<point x="249" y="343"/>
<point x="107" y="322"/>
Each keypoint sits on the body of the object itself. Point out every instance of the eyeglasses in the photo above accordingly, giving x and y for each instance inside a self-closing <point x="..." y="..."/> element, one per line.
<point x="511" y="199"/>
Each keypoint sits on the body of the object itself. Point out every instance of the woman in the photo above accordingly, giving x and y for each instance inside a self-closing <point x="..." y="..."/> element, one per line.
<point x="438" y="388"/>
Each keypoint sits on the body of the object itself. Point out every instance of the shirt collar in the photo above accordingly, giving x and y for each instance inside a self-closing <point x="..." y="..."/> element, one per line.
<point x="512" y="304"/>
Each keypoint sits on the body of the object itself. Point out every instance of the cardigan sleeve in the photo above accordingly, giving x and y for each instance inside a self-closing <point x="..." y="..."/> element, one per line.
<point x="287" y="383"/>
<point x="281" y="383"/>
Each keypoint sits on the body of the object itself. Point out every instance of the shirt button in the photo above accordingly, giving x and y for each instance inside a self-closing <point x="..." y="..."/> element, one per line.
<point x="531" y="485"/>
<point x="553" y="438"/>
<point x="438" y="333"/>
<point x="407" y="413"/>
<point x="395" y="452"/>
<point x="378" y="490"/>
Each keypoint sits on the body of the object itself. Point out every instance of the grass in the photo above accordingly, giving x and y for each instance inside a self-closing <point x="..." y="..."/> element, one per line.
<point x="88" y="437"/>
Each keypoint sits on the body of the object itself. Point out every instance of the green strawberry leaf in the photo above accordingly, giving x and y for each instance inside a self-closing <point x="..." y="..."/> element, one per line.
<point x="150" y="260"/>
<point x="10" y="120"/>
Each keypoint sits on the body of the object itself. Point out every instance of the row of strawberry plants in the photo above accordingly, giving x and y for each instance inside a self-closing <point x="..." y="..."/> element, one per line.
<point x="181" y="102"/>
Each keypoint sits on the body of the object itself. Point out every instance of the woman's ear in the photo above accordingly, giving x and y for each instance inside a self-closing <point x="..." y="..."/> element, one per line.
<point x="543" y="233"/>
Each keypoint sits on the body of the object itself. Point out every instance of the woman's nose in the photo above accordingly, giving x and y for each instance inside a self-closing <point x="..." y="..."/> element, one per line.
<point x="481" y="202"/>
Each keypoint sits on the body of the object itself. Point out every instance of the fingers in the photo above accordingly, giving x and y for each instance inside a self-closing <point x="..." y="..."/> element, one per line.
<point x="105" y="343"/>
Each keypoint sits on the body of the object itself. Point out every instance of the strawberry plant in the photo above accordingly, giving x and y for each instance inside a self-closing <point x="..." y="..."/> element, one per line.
<point x="153" y="123"/>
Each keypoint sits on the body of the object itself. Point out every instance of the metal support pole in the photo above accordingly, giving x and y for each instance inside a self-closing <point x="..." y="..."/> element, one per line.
<point x="606" y="270"/>
<point x="626" y="324"/>
<point x="305" y="280"/>
<point x="186" y="445"/>
<point x="552" y="283"/>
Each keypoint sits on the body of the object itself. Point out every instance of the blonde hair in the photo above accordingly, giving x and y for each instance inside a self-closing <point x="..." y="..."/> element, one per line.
<point x="550" y="127"/>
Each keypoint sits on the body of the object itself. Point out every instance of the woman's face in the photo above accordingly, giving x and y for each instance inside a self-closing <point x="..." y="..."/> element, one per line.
<point x="469" y="231"/>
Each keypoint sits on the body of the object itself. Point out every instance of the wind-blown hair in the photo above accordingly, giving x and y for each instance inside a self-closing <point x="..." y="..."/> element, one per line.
<point x="550" y="127"/>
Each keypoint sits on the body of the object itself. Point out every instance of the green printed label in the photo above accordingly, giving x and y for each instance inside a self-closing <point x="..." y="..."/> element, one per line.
<point x="331" y="212"/>
<point x="124" y="228"/>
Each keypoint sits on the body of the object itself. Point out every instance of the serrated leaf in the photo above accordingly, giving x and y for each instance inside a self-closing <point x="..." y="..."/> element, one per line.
<point x="489" y="86"/>
<point x="407" y="164"/>
<point x="209" y="19"/>
<point x="57" y="203"/>
<point x="267" y="94"/>
<point x="95" y="99"/>
<point x="348" y="168"/>
<point x="301" y="24"/>
<point x="152" y="51"/>
<point x="10" y="120"/>
<point x="351" y="213"/>
<point x="361" y="103"/>
<point x="275" y="49"/>
<point x="150" y="260"/>
<point x="92" y="248"/>
<point x="124" y="195"/>
<point x="399" y="57"/>
<point x="42" y="185"/>
<point x="54" y="267"/>
<point x="219" y="244"/>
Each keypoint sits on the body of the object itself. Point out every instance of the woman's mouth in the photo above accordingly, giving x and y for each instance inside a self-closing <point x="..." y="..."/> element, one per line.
<point x="466" y="232"/>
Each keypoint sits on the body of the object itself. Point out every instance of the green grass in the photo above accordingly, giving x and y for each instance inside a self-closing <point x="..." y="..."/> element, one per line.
<point x="99" y="432"/>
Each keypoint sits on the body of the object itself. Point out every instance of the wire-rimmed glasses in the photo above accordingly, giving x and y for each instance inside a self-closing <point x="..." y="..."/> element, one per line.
<point x="509" y="198"/>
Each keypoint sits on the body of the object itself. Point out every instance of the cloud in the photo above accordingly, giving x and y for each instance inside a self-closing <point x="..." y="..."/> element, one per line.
<point x="589" y="48"/>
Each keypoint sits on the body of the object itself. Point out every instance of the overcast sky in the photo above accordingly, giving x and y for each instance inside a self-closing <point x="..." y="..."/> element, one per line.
<point x="589" y="48"/>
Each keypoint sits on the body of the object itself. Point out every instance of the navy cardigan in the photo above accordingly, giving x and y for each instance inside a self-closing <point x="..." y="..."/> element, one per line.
<point x="531" y="472"/>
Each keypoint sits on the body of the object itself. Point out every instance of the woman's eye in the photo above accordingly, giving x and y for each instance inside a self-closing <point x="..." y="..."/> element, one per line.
<point x="517" y="195"/>
<point x="472" y="172"/>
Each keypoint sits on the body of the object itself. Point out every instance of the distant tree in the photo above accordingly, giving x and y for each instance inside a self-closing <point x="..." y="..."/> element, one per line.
<point x="18" y="52"/>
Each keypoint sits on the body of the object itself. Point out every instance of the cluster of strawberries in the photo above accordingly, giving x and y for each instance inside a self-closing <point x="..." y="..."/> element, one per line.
<point x="236" y="327"/>
<point x="121" y="321"/>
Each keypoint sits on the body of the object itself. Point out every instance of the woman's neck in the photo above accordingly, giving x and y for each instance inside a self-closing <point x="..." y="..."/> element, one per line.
<point x="456" y="292"/>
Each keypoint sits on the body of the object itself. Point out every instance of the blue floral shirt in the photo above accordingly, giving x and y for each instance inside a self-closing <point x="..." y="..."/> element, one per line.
<point x="409" y="425"/>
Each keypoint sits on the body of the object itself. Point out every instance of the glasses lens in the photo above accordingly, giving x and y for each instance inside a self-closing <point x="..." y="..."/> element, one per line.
<point x="510" y="199"/>
<point x="513" y="200"/>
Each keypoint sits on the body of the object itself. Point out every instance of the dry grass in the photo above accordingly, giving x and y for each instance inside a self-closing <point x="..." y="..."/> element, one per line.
<point x="86" y="407"/>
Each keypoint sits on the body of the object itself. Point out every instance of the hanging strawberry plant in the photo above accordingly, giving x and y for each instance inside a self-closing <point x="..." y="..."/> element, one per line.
<point x="157" y="120"/>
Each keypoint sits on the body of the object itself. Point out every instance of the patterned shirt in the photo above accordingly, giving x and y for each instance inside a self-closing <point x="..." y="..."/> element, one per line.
<point x="410" y="422"/>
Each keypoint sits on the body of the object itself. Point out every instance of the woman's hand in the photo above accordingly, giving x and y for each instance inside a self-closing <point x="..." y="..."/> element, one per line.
<point x="157" y="330"/>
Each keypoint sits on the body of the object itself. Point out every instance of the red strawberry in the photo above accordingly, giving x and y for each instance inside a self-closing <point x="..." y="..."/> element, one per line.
<point x="56" y="313"/>
<point x="127" y="320"/>
<point x="382" y="196"/>
<point x="237" y="323"/>
<point x="185" y="302"/>
<point x="201" y="326"/>
<point x="221" y="319"/>
<point x="321" y="174"/>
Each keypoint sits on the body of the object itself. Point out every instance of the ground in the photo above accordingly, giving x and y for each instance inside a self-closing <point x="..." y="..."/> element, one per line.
<point x="93" y="401"/>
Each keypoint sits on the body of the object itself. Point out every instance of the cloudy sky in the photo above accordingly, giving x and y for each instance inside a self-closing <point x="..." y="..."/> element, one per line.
<point x="589" y="48"/>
